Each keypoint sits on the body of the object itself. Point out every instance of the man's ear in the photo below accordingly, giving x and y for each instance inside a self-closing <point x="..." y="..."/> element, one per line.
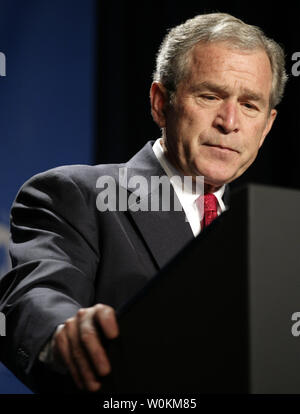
<point x="159" y="100"/>
<point x="270" y="120"/>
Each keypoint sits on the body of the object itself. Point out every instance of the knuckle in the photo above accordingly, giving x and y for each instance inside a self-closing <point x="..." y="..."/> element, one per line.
<point x="108" y="315"/>
<point x="69" y="323"/>
<point x="106" y="311"/>
<point x="99" y="307"/>
<point x="109" y="311"/>
<point x="81" y="313"/>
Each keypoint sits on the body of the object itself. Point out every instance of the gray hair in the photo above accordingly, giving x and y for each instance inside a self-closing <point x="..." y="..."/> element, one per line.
<point x="174" y="52"/>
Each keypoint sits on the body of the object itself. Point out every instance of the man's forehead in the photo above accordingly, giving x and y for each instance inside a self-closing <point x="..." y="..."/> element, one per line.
<point x="254" y="64"/>
<point x="206" y="55"/>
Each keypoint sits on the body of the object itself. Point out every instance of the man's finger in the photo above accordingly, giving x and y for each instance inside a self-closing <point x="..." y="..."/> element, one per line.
<point x="90" y="339"/>
<point x="63" y="352"/>
<point x="105" y="316"/>
<point x="79" y="357"/>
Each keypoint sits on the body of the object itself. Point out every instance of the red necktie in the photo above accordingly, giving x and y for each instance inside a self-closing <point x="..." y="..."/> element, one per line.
<point x="208" y="204"/>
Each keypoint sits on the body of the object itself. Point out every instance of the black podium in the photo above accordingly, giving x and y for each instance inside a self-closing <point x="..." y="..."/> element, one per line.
<point x="218" y="318"/>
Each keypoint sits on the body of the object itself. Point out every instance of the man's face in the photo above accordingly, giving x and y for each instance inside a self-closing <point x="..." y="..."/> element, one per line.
<point x="220" y="116"/>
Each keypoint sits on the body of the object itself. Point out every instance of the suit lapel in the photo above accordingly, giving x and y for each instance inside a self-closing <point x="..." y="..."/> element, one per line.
<point x="164" y="232"/>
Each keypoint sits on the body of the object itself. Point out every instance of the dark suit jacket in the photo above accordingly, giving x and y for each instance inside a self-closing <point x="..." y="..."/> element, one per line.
<point x="67" y="255"/>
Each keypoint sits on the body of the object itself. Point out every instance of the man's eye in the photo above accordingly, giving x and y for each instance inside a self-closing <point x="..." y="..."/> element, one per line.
<point x="249" y="105"/>
<point x="209" y="97"/>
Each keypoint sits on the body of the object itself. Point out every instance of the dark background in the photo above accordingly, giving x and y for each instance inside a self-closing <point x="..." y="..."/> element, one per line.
<point x="129" y="35"/>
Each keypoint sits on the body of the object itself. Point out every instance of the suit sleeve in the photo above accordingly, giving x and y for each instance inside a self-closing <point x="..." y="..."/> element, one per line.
<point x="55" y="255"/>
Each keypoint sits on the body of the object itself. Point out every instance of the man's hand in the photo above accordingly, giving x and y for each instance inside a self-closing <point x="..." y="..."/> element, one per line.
<point x="79" y="347"/>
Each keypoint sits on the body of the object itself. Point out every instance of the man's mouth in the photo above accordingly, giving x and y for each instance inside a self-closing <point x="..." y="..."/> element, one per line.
<point x="221" y="148"/>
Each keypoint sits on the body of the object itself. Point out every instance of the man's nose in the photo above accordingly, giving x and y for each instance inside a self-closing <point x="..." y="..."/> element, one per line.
<point x="227" y="118"/>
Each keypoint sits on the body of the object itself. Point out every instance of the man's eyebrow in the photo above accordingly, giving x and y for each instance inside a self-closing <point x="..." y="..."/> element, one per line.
<point x="223" y="90"/>
<point x="253" y="96"/>
<point x="214" y="87"/>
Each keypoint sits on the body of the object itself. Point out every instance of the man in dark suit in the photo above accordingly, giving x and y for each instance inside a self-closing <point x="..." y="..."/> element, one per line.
<point x="216" y="84"/>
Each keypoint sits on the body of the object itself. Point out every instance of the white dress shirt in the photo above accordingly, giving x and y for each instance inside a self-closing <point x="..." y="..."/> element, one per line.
<point x="186" y="196"/>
